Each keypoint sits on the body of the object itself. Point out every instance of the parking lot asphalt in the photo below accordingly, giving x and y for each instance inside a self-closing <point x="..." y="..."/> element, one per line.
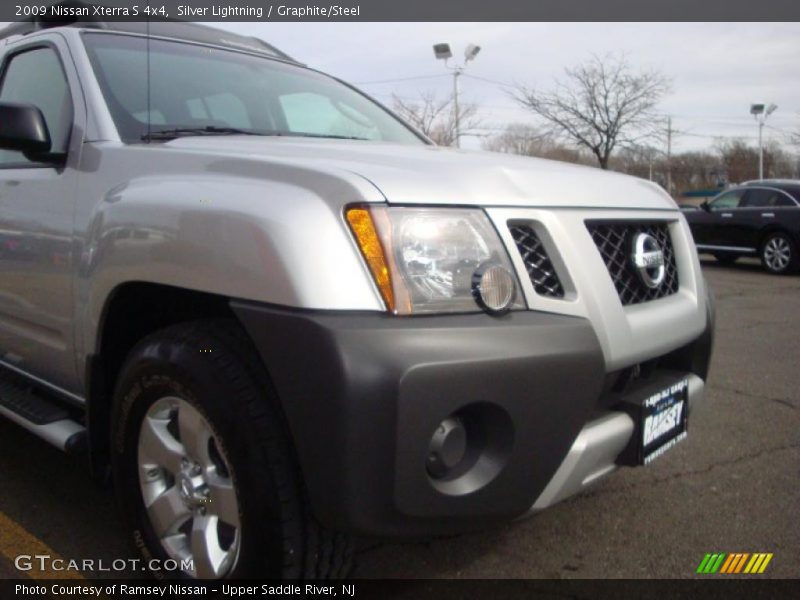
<point x="732" y="486"/>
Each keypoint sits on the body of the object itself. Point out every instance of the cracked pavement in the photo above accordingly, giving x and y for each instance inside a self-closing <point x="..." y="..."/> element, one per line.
<point x="732" y="486"/>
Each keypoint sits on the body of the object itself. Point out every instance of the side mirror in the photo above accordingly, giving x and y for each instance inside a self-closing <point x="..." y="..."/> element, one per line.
<point x="705" y="206"/>
<point x="22" y="128"/>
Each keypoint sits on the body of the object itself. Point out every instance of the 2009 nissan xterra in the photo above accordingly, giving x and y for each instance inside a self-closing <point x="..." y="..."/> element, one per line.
<point x="278" y="317"/>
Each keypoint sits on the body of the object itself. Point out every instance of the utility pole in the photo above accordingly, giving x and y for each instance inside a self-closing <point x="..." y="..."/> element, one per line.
<point x="761" y="112"/>
<point x="456" y="74"/>
<point x="443" y="52"/>
<point x="761" y="148"/>
<point x="669" y="155"/>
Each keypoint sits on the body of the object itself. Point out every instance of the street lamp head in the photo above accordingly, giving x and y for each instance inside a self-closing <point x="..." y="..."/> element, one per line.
<point x="761" y="112"/>
<point x="471" y="52"/>
<point x="442" y="51"/>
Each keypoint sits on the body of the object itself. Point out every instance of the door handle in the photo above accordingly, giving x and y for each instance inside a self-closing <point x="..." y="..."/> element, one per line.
<point x="727" y="215"/>
<point x="768" y="215"/>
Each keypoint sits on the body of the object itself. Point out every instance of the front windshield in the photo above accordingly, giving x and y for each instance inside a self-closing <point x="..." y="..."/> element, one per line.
<point x="200" y="88"/>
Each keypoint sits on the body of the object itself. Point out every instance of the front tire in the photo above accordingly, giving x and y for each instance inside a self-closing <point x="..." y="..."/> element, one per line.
<point x="203" y="467"/>
<point x="779" y="254"/>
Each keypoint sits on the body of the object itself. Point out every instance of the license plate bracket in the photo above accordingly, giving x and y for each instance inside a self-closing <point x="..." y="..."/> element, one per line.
<point x="660" y="414"/>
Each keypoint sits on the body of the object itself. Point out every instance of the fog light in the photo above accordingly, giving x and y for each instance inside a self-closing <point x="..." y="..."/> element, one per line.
<point x="493" y="287"/>
<point x="447" y="448"/>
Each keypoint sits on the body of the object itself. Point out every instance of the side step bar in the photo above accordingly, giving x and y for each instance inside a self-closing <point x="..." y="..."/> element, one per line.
<point x="41" y="416"/>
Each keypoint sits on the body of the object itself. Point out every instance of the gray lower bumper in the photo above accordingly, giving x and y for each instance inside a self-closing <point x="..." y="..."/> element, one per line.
<point x="594" y="452"/>
<point x="363" y="395"/>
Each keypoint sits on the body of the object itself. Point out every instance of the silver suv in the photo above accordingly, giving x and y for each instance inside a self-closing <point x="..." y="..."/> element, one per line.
<point x="278" y="317"/>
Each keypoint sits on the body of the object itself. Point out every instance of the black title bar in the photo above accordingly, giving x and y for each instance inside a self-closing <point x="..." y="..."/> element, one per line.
<point x="403" y="10"/>
<point x="441" y="589"/>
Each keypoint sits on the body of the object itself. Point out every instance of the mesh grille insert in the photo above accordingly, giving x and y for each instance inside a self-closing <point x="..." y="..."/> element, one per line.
<point x="537" y="262"/>
<point x="614" y="240"/>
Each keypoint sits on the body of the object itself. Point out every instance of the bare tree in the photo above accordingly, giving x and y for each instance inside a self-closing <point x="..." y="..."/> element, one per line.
<point x="697" y="170"/>
<point x="794" y="138"/>
<point x="741" y="160"/>
<point x="637" y="160"/>
<point x="526" y="140"/>
<point x="518" y="138"/>
<point x="601" y="104"/>
<point x="435" y="118"/>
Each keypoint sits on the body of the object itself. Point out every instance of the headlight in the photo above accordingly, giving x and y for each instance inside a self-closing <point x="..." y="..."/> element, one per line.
<point x="434" y="260"/>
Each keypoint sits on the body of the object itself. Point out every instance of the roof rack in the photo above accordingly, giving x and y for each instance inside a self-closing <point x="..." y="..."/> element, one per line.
<point x="184" y="30"/>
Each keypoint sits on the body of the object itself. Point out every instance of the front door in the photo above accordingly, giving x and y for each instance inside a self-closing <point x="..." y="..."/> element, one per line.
<point x="36" y="222"/>
<point x="711" y="227"/>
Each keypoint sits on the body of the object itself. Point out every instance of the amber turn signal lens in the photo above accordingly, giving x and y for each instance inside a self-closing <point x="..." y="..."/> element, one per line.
<point x="364" y="231"/>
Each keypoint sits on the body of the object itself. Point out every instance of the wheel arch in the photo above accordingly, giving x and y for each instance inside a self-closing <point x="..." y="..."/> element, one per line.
<point x="768" y="230"/>
<point x="132" y="311"/>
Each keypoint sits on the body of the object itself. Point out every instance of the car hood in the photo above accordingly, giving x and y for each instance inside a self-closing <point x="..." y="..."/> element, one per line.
<point x="411" y="174"/>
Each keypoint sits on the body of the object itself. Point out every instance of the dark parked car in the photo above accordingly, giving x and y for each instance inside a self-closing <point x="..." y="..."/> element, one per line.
<point x="758" y="218"/>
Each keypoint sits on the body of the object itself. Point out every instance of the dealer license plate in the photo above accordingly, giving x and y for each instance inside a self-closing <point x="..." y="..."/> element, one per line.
<point x="663" y="421"/>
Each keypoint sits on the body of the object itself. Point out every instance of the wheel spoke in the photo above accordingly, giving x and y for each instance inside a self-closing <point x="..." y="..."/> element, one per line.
<point x="223" y="500"/>
<point x="206" y="552"/>
<point x="157" y="445"/>
<point x="194" y="433"/>
<point x="777" y="254"/>
<point x="167" y="513"/>
<point x="186" y="484"/>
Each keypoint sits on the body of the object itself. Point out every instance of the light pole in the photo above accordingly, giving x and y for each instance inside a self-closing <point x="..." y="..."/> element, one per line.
<point x="760" y="112"/>
<point x="443" y="52"/>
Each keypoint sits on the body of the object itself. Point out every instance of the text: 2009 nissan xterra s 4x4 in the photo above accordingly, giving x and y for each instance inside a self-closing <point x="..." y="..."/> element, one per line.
<point x="279" y="317"/>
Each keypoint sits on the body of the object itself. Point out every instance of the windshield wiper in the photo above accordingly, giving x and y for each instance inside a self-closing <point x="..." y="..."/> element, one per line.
<point x="171" y="134"/>
<point x="320" y="135"/>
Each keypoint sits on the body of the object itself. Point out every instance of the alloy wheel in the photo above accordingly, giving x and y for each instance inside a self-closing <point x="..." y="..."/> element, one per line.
<point x="188" y="489"/>
<point x="777" y="253"/>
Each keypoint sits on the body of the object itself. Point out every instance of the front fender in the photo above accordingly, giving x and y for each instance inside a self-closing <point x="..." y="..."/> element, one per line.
<point x="268" y="241"/>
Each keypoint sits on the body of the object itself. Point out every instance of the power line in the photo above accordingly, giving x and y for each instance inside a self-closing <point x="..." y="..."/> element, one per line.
<point x="780" y="130"/>
<point x="414" y="78"/>
<point x="714" y="117"/>
<point x="717" y="135"/>
<point x="487" y="80"/>
<point x="418" y="99"/>
<point x="717" y="121"/>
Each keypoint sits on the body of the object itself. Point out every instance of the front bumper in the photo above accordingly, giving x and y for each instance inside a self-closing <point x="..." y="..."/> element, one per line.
<point x="364" y="393"/>
<point x="594" y="453"/>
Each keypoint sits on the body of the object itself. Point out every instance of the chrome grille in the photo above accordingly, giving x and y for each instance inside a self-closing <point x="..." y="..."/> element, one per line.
<point x="614" y="240"/>
<point x="537" y="262"/>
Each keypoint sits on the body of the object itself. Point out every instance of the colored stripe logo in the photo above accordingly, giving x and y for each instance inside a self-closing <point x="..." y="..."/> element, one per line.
<point x="737" y="562"/>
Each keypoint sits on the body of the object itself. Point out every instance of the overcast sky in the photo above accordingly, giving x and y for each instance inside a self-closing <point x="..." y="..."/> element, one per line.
<point x="717" y="69"/>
